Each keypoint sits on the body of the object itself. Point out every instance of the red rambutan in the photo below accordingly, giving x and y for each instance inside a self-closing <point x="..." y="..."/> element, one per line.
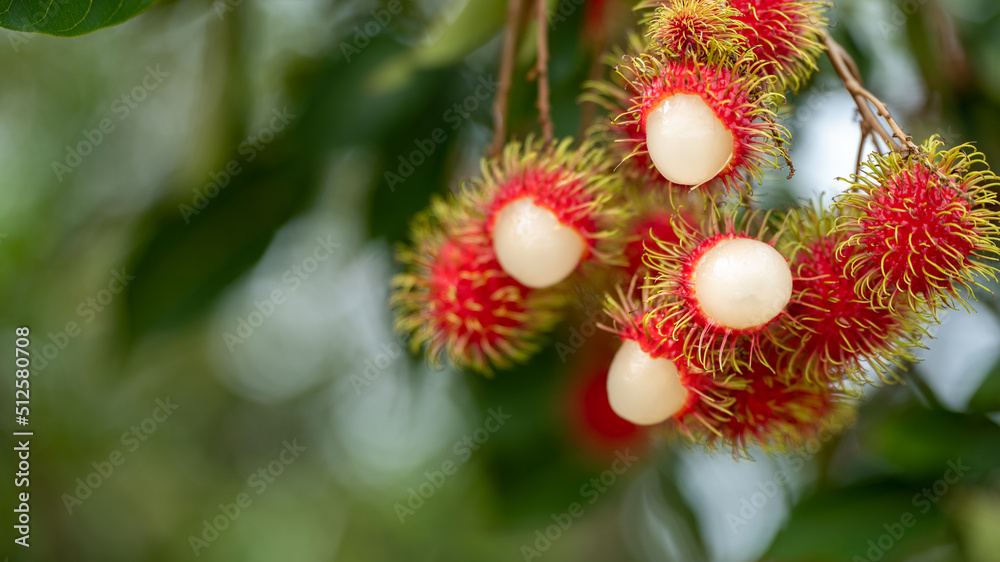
<point x="831" y="332"/>
<point x="921" y="228"/>
<point x="695" y="28"/>
<point x="702" y="120"/>
<point x="549" y="208"/>
<point x="719" y="289"/>
<point x="650" y="380"/>
<point x="784" y="33"/>
<point x="455" y="299"/>
<point x="775" y="413"/>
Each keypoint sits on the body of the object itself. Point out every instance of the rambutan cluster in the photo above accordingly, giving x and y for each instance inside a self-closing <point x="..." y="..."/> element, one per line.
<point x="739" y="328"/>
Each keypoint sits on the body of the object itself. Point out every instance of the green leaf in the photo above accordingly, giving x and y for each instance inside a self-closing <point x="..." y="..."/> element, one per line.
<point x="880" y="521"/>
<point x="987" y="398"/>
<point x="68" y="18"/>
<point x="920" y="442"/>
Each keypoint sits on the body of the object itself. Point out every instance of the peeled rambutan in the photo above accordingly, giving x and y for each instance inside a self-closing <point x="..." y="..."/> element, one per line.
<point x="831" y="332"/>
<point x="721" y="288"/>
<point x="702" y="120"/>
<point x="548" y="209"/>
<point x="784" y="33"/>
<point x="923" y="227"/>
<point x="650" y="380"/>
<point x="695" y="28"/>
<point x="456" y="300"/>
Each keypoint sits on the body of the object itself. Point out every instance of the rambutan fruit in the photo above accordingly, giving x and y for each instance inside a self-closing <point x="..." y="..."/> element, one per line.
<point x="701" y="120"/>
<point x="695" y="28"/>
<point x="774" y="413"/>
<point x="548" y="209"/>
<point x="923" y="227"/>
<point x="650" y="380"/>
<point x="784" y="33"/>
<point x="456" y="300"/>
<point x="830" y="332"/>
<point x="720" y="288"/>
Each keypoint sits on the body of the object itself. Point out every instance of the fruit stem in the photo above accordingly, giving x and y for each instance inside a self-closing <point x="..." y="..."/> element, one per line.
<point x="847" y="69"/>
<point x="506" y="71"/>
<point x="542" y="68"/>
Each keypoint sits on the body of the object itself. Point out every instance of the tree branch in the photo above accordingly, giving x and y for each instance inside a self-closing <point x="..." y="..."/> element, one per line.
<point x="847" y="69"/>
<point x="542" y="68"/>
<point x="506" y="72"/>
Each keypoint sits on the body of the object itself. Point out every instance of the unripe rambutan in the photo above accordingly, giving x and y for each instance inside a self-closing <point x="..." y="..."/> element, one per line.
<point x="455" y="299"/>
<point x="702" y="120"/>
<point x="549" y="208"/>
<point x="784" y="33"/>
<point x="921" y="227"/>
<point x="722" y="288"/>
<point x="650" y="380"/>
<point x="695" y="28"/>
<point x="831" y="332"/>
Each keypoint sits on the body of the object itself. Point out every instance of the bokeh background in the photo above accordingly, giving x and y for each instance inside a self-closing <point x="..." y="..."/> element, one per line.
<point x="196" y="218"/>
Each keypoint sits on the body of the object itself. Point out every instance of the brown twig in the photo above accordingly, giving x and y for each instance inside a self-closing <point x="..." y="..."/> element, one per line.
<point x="506" y="72"/>
<point x="847" y="69"/>
<point x="542" y="69"/>
<point x="865" y="133"/>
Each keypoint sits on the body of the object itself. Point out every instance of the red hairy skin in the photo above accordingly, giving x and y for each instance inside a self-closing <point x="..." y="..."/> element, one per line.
<point x="785" y="33"/>
<point x="777" y="414"/>
<point x="456" y="300"/>
<point x="833" y="333"/>
<point x="918" y="230"/>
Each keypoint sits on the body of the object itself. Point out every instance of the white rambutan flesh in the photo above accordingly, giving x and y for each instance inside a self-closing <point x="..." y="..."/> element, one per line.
<point x="686" y="141"/>
<point x="644" y="390"/>
<point x="533" y="247"/>
<point x="742" y="283"/>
